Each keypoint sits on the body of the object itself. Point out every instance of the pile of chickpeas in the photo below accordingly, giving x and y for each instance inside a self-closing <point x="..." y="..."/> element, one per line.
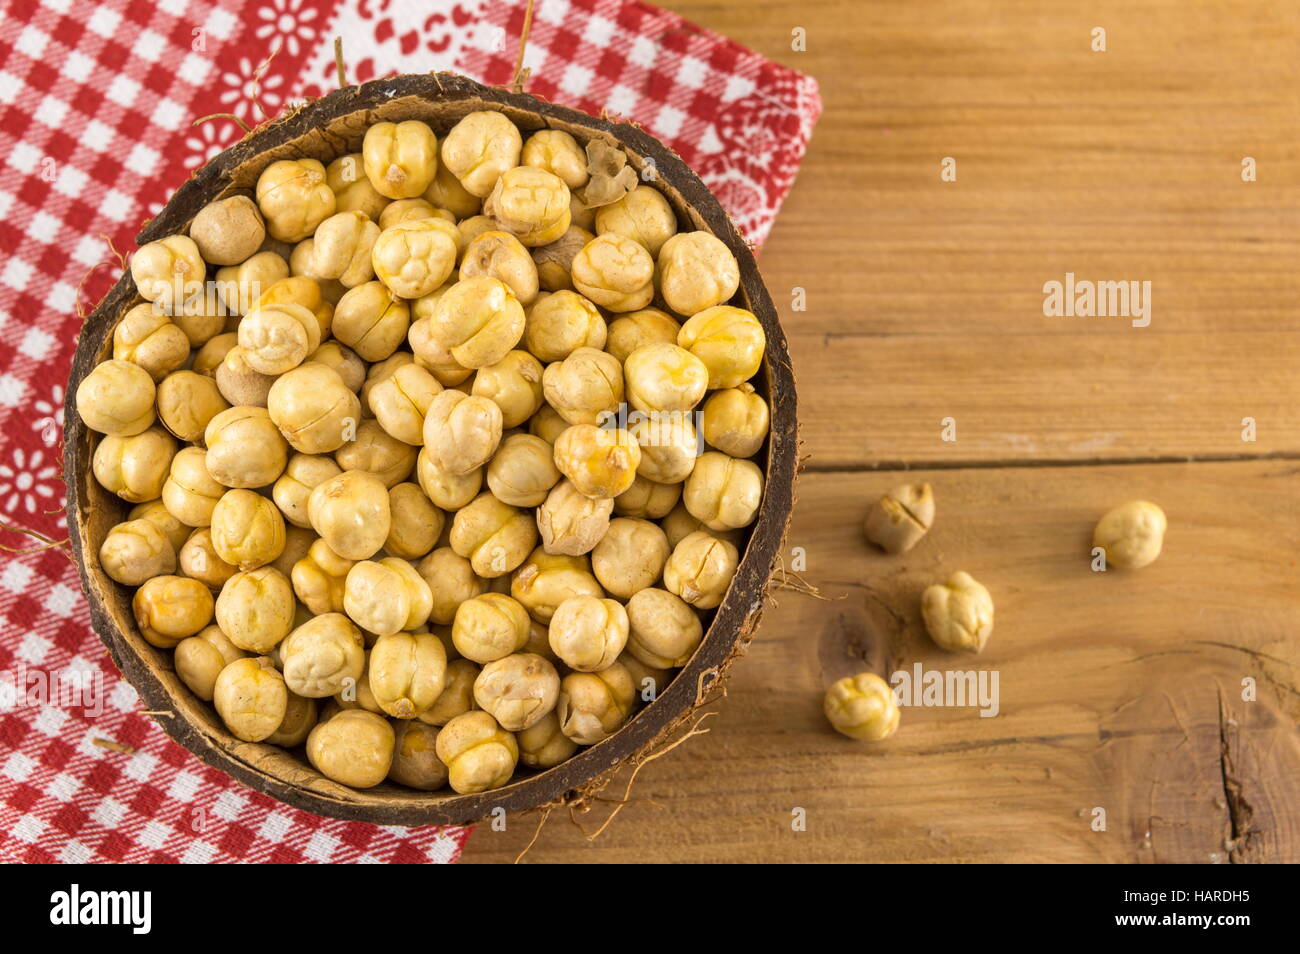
<point x="448" y="460"/>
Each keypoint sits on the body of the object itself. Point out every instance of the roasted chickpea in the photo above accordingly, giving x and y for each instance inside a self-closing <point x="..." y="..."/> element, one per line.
<point x="547" y="424"/>
<point x="146" y="336"/>
<point x="900" y="518"/>
<point x="345" y="363"/>
<point x="251" y="698"/>
<point x="408" y="210"/>
<point x="730" y="342"/>
<point x="300" y="478"/>
<point x="375" y="451"/>
<point x="862" y="707"/>
<point x="400" y="158"/>
<point x="736" y="421"/>
<point x="300" y="717"/>
<point x="247" y="529"/>
<point x="478" y="753"/>
<point x="255" y="609"/>
<point x="650" y="682"/>
<point x="166" y="271"/>
<point x="199" y="660"/>
<point x="558" y="153"/>
<point x="542" y="745"/>
<point x="473" y="227"/>
<point x="355" y="748"/>
<point x="452" y="581"/>
<point x="201" y="319"/>
<point x="116" y="397"/>
<point x="213" y="352"/>
<point x="493" y="536"/>
<point x="352" y="190"/>
<point x="480" y="148"/>
<point x="679" y="524"/>
<point x="238" y="383"/>
<point x="245" y="449"/>
<point x="560" y="323"/>
<point x="958" y="613"/>
<point x="408" y="672"/>
<point x="136" y="550"/>
<point x="169" y="608"/>
<point x="583" y="217"/>
<point x="570" y="522"/>
<point x="723" y="492"/>
<point x="240" y="286"/>
<point x="380" y="372"/>
<point x="664" y="377"/>
<point x="489" y="626"/>
<point x="446" y="192"/>
<point x="555" y="261"/>
<point x="531" y="204"/>
<point x="322" y="656"/>
<point x="198" y="559"/>
<point x="319" y="579"/>
<point x="544" y="581"/>
<point x="500" y="255"/>
<point x="461" y="432"/>
<point x="156" y="512"/>
<point x="448" y="491"/>
<point x="479" y="320"/>
<point x="433" y="355"/>
<point x="386" y="597"/>
<point x="415" y="759"/>
<point x="664" y="632"/>
<point x="522" y="471"/>
<point x="351" y="513"/>
<point x="401" y="400"/>
<point x="700" y="569"/>
<point x="514" y="384"/>
<point x="696" y="271"/>
<point x="670" y="446"/>
<point x="600" y="461"/>
<point x="643" y="215"/>
<point x="630" y="557"/>
<point x="648" y="499"/>
<point x="1132" y="534"/>
<point x="588" y="633"/>
<point x="615" y="273"/>
<point x="371" y="320"/>
<point x="228" y="231"/>
<point x="416" y="523"/>
<point x="648" y="326"/>
<point x="313" y="409"/>
<point x="187" y="402"/>
<point x="518" y="690"/>
<point x="584" y="387"/>
<point x="593" y="705"/>
<point x="414" y="257"/>
<point x="189" y="493"/>
<point x="136" y="467"/>
<point x="342" y="248"/>
<point x="294" y="198"/>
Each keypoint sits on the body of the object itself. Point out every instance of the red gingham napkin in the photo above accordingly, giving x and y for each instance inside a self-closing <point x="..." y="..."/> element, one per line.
<point x="96" y="106"/>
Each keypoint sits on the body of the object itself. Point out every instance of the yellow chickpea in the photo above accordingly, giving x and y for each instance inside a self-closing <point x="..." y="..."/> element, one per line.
<point x="600" y="461"/>
<point x="354" y="748"/>
<point x="187" y="402"/>
<point x="862" y="707"/>
<point x="555" y="261"/>
<point x="116" y="397"/>
<point x="558" y="153"/>
<point x="313" y="409"/>
<point x="136" y="550"/>
<point x="136" y="467"/>
<point x="479" y="320"/>
<point x="414" y="257"/>
<point x="351" y="513"/>
<point x="696" y="271"/>
<point x="245" y="449"/>
<point x="457" y="696"/>
<point x="630" y="557"/>
<point x="201" y="318"/>
<point x="277" y="338"/>
<point x="478" y="753"/>
<point x="488" y="627"/>
<point x="736" y="421"/>
<point x="401" y="400"/>
<point x="251" y="698"/>
<point x="376" y="452"/>
<point x="642" y="215"/>
<point x="155" y="511"/>
<point x="531" y="204"/>
<point x="247" y="529"/>
<point x="648" y="326"/>
<point x="213" y="352"/>
<point x="493" y="536"/>
<point x="255" y="609"/>
<point x="322" y="656"/>
<point x="594" y="705"/>
<point x="197" y="559"/>
<point x="344" y="362"/>
<point x="228" y="231"/>
<point x="647" y="499"/>
<point x="461" y="431"/>
<point x="415" y="758"/>
<point x="570" y="522"/>
<point x="320" y="578"/>
<point x="542" y="745"/>
<point x="347" y="179"/>
<point x="614" y="272"/>
<point x="678" y="524"/>
<point x="522" y="471"/>
<point x="380" y="371"/>
<point x="670" y="446"/>
<point x="238" y="383"/>
<point x="167" y="271"/>
<point x="434" y="355"/>
<point x="417" y="523"/>
<point x="730" y="342"/>
<point x="386" y="596"/>
<point x="499" y="255"/>
<point x="448" y="491"/>
<point x="722" y="492"/>
<point x="664" y="377"/>
<point x="585" y="387"/>
<point x="294" y="198"/>
<point x="480" y="148"/>
<point x="189" y="493"/>
<point x="700" y="569"/>
<point x="240" y="286"/>
<point x="547" y="423"/>
<point x="342" y="248"/>
<point x="146" y="336"/>
<point x="518" y="690"/>
<point x="306" y="292"/>
<point x="560" y="323"/>
<point x="372" y="321"/>
<point x="169" y="608"/>
<point x="400" y="158"/>
<point x="544" y="581"/>
<point x="664" y="631"/>
<point x="199" y="660"/>
<point x="294" y="487"/>
<point x="452" y="581"/>
<point x="300" y="717"/>
<point x="588" y="634"/>
<point x="408" y="672"/>
<point x="514" y="384"/>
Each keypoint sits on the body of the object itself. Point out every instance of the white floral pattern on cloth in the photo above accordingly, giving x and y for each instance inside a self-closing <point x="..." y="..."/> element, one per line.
<point x="31" y="486"/>
<point x="292" y="24"/>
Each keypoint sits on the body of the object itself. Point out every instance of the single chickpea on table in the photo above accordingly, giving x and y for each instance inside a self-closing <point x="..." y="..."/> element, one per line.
<point x="448" y="474"/>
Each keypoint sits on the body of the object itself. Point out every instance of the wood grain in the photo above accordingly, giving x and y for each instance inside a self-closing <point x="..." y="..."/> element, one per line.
<point x="1119" y="692"/>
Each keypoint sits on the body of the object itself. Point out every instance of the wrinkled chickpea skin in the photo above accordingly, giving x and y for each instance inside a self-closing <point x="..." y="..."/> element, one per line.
<point x="500" y="255"/>
<point x="352" y="514"/>
<point x="518" y="691"/>
<point x="352" y="190"/>
<point x="642" y="215"/>
<point x="354" y="748"/>
<point x="555" y="261"/>
<point x="544" y="581"/>
<point x="958" y="613"/>
<point x="376" y="452"/>
<point x="117" y="397"/>
<point x="493" y="536"/>
<point x="599" y="461"/>
<point x="479" y="320"/>
<point x="313" y="408"/>
<point x="386" y="596"/>
<point x="570" y="522"/>
<point x="408" y="672"/>
<point x="478" y="753"/>
<point x="245" y="448"/>
<point x="664" y="631"/>
<point x="488" y="627"/>
<point x="135" y="551"/>
<point x="371" y="320"/>
<point x="648" y="499"/>
<point x="479" y="149"/>
<point x="448" y="491"/>
<point x="730" y="342"/>
<point x="1131" y="534"/>
<point x="594" y="705"/>
<point x="648" y="326"/>
<point x="414" y="257"/>
<point x="736" y="421"/>
<point x="247" y="529"/>
<point x="862" y="707"/>
<point x="670" y="446"/>
<point x="630" y="557"/>
<point x="322" y="656"/>
<point x="342" y="248"/>
<point x="400" y="159"/>
<point x="136" y="467"/>
<point x="560" y="323"/>
<point x="255" y="609"/>
<point x="696" y="271"/>
<point x="557" y="152"/>
<point x="199" y="660"/>
<point x="294" y="198"/>
<point x="531" y="204"/>
<point x="187" y="403"/>
<point x="461" y="431"/>
<point x="722" y="492"/>
<point x="166" y="271"/>
<point x="251" y="698"/>
<point x="146" y="336"/>
<point x="401" y="400"/>
<point x="614" y="272"/>
<point x="700" y="569"/>
<point x="584" y="387"/>
<point x="588" y="634"/>
<point x="514" y="384"/>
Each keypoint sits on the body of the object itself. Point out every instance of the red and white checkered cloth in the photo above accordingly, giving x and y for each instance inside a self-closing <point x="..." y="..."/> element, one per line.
<point x="96" y="106"/>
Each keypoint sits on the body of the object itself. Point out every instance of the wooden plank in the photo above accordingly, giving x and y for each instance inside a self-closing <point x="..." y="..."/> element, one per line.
<point x="1117" y="691"/>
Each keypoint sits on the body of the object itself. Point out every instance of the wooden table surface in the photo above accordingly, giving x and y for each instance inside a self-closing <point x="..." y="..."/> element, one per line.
<point x="1121" y="695"/>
